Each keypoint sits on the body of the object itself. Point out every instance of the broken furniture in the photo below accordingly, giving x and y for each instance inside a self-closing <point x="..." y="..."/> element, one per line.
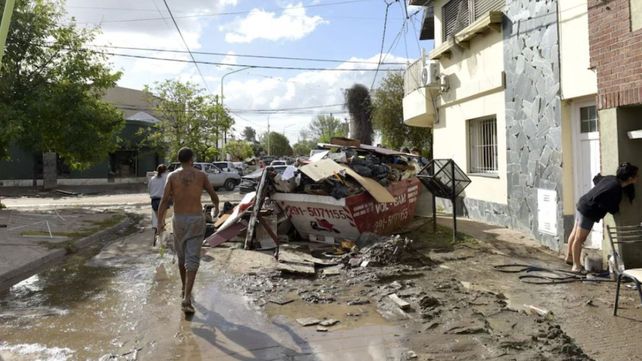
<point x="618" y="236"/>
<point x="444" y="179"/>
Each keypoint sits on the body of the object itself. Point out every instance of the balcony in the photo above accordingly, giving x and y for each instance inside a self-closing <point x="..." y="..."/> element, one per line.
<point x="418" y="109"/>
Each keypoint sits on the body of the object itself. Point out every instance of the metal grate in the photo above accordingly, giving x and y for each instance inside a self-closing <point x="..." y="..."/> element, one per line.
<point x="484" y="6"/>
<point x="482" y="140"/>
<point x="455" y="17"/>
<point x="457" y="14"/>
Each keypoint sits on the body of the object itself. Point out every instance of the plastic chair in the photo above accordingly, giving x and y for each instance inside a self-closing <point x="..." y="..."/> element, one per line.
<point x="621" y="235"/>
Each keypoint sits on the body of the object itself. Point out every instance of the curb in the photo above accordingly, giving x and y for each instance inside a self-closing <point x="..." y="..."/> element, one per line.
<point x="54" y="257"/>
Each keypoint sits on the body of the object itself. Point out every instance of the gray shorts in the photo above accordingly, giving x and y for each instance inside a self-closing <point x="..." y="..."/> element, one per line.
<point x="189" y="232"/>
<point x="583" y="221"/>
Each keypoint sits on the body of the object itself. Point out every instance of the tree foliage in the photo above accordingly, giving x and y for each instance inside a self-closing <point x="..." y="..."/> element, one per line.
<point x="359" y="106"/>
<point x="303" y="147"/>
<point x="279" y="145"/>
<point x="249" y="134"/>
<point x="324" y="127"/>
<point x="51" y="87"/>
<point x="388" y="116"/>
<point x="239" y="149"/>
<point x="188" y="118"/>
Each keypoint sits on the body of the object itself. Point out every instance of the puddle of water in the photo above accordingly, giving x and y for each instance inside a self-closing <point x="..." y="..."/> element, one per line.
<point x="33" y="352"/>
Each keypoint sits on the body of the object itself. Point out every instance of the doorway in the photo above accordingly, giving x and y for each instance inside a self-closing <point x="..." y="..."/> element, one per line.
<point x="586" y="141"/>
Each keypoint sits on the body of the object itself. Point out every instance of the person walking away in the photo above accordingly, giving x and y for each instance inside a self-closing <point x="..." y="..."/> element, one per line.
<point x="185" y="186"/>
<point x="156" y="187"/>
<point x="604" y="197"/>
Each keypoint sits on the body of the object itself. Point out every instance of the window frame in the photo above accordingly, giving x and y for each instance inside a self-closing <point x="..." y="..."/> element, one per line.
<point x="476" y="164"/>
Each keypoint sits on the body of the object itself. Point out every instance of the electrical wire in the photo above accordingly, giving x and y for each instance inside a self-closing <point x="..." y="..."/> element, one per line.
<point x="186" y="46"/>
<point x="244" y="55"/>
<point x="238" y="65"/>
<point x="383" y="40"/>
<point x="237" y="12"/>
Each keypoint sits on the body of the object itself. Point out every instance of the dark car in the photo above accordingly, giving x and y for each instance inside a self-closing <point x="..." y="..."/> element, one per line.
<point x="251" y="181"/>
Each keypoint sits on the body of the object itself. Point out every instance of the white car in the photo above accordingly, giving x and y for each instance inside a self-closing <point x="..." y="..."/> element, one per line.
<point x="276" y="163"/>
<point x="217" y="177"/>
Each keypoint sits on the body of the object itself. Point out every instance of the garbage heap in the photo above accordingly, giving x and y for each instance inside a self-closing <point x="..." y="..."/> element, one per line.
<point x="340" y="192"/>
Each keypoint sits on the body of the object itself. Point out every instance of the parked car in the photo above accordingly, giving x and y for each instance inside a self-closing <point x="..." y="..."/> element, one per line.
<point x="217" y="177"/>
<point x="226" y="166"/>
<point x="250" y="182"/>
<point x="278" y="162"/>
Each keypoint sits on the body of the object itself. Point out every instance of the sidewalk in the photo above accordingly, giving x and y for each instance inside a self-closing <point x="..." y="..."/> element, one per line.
<point x="31" y="242"/>
<point x="583" y="310"/>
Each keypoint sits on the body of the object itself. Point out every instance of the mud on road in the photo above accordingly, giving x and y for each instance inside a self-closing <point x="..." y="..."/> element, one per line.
<point x="122" y="303"/>
<point x="444" y="316"/>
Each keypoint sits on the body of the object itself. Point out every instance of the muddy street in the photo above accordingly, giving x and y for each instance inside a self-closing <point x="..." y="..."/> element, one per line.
<point x="121" y="302"/>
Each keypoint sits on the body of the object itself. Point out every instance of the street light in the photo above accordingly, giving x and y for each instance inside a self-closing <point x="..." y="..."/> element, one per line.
<point x="221" y="99"/>
<point x="226" y="74"/>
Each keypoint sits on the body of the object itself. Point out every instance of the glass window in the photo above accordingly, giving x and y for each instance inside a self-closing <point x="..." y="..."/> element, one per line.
<point x="588" y="119"/>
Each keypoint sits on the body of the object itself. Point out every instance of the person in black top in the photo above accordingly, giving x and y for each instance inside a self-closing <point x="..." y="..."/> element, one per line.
<point x="604" y="197"/>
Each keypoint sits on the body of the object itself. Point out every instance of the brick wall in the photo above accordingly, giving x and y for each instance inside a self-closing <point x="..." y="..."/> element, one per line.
<point x="616" y="53"/>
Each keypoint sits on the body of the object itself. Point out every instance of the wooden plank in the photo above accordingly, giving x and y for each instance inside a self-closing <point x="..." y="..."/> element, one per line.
<point x="226" y="234"/>
<point x="258" y="203"/>
<point x="399" y="302"/>
<point x="296" y="268"/>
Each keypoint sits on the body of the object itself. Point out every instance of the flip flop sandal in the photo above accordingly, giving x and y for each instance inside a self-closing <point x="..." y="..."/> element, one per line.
<point x="187" y="308"/>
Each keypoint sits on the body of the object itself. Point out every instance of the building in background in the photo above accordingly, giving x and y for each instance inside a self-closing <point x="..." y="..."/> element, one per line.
<point x="128" y="164"/>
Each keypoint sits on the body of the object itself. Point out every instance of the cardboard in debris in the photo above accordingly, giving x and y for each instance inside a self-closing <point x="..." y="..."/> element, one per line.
<point x="327" y="168"/>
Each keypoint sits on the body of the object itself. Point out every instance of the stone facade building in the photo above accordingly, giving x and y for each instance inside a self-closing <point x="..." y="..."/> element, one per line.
<point x="510" y="97"/>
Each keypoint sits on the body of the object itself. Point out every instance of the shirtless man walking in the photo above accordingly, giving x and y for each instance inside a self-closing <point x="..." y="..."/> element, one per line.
<point x="185" y="186"/>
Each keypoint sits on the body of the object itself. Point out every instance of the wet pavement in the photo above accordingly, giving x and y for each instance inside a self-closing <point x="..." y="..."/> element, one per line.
<point x="122" y="302"/>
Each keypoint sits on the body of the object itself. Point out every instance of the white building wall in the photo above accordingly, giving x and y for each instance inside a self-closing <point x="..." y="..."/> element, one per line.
<point x="577" y="79"/>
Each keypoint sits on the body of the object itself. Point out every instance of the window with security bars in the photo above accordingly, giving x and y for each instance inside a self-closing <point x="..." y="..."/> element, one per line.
<point x="482" y="141"/>
<point x="457" y="14"/>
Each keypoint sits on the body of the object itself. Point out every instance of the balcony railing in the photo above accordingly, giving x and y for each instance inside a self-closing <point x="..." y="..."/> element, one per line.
<point x="412" y="76"/>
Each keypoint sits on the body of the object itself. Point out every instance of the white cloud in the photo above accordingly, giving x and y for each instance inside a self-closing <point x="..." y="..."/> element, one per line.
<point x="230" y="58"/>
<point x="292" y="24"/>
<point x="304" y="89"/>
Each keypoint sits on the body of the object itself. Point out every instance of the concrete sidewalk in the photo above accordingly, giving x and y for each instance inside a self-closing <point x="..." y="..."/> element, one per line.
<point x="31" y="241"/>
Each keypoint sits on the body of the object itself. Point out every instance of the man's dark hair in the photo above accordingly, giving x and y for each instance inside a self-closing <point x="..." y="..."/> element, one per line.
<point x="185" y="155"/>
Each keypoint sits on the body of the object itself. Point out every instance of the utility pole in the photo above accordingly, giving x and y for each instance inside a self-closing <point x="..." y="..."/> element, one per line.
<point x="268" y="135"/>
<point x="4" y="26"/>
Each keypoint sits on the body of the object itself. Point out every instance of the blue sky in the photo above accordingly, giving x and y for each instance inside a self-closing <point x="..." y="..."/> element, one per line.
<point x="327" y="29"/>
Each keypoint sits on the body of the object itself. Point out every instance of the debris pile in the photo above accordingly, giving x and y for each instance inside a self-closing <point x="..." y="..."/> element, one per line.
<point x="342" y="191"/>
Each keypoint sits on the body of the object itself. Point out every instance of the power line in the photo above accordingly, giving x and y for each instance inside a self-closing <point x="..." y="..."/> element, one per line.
<point x="383" y="39"/>
<point x="237" y="65"/>
<point x="238" y="12"/>
<point x="186" y="46"/>
<point x="245" y="55"/>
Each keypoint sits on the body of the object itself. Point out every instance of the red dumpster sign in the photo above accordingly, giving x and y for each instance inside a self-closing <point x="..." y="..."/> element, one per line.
<point x="323" y="218"/>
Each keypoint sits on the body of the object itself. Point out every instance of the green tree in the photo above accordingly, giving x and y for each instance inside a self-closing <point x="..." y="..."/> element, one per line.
<point x="249" y="134"/>
<point x="303" y="147"/>
<point x="324" y="127"/>
<point x="388" y="116"/>
<point x="51" y="87"/>
<point x="239" y="149"/>
<point x="359" y="106"/>
<point x="279" y="144"/>
<point x="188" y="118"/>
